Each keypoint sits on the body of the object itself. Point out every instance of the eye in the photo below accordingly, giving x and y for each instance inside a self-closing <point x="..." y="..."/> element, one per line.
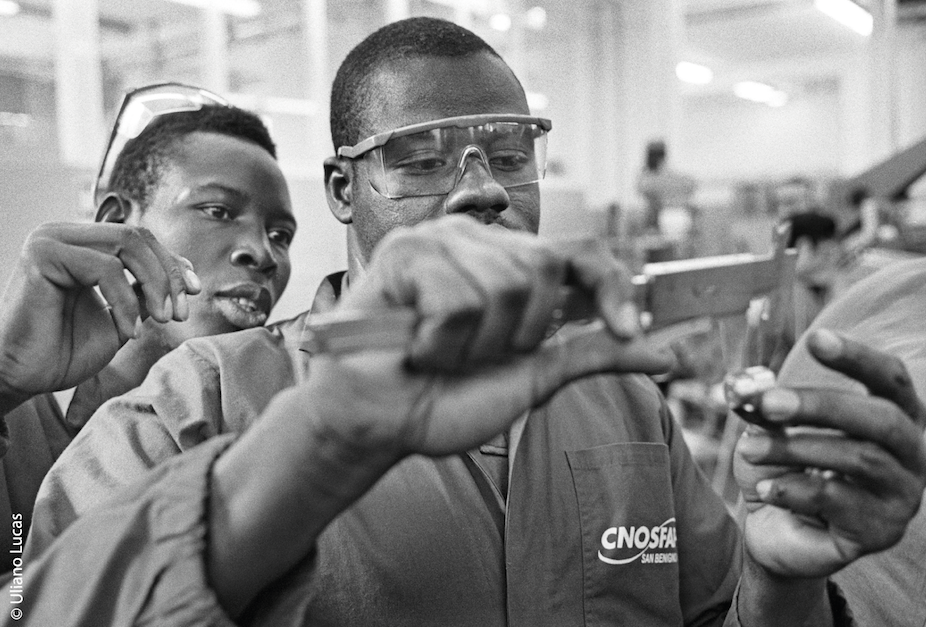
<point x="217" y="212"/>
<point x="283" y="237"/>
<point x="421" y="164"/>
<point x="509" y="160"/>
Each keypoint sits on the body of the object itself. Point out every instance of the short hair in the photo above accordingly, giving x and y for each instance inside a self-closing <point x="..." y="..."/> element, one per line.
<point x="352" y="93"/>
<point x="655" y="154"/>
<point x="857" y="196"/>
<point x="143" y="160"/>
<point x="813" y="225"/>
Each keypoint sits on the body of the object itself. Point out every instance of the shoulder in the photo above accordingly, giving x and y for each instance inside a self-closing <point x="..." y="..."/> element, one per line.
<point x="890" y="292"/>
<point x="883" y="311"/>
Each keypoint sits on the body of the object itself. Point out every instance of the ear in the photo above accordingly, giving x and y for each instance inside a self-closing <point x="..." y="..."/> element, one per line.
<point x="338" y="173"/>
<point x="115" y="208"/>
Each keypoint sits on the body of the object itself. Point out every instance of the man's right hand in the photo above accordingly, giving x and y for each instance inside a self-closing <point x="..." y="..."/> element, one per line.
<point x="485" y="298"/>
<point x="55" y="331"/>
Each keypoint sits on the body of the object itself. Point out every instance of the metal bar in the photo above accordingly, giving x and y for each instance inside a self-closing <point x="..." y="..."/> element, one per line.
<point x="667" y="294"/>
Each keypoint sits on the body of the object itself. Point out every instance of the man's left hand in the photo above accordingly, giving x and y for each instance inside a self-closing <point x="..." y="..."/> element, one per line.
<point x="830" y="475"/>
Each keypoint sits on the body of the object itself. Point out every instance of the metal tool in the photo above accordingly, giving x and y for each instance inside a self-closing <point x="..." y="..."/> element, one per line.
<point x="675" y="298"/>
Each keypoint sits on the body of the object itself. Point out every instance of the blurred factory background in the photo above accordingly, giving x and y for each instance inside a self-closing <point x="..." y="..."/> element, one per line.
<point x="681" y="128"/>
<point x="754" y="99"/>
<point x="751" y="97"/>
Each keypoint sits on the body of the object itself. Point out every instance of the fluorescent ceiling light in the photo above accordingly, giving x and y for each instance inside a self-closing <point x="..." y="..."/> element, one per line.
<point x="760" y="92"/>
<point x="777" y="99"/>
<point x="536" y="18"/>
<point x="238" y="8"/>
<point x="848" y="14"/>
<point x="537" y="101"/>
<point x="22" y="120"/>
<point x="500" y="22"/>
<point x="751" y="90"/>
<point x="8" y="8"/>
<point x="694" y="73"/>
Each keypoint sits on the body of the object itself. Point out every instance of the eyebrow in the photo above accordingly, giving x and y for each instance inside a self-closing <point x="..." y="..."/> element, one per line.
<point x="240" y="196"/>
<point x="231" y="191"/>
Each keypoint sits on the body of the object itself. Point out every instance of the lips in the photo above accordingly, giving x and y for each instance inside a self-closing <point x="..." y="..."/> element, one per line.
<point x="246" y="305"/>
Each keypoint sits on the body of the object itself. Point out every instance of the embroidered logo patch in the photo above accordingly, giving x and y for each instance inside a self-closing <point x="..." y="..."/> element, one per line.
<point x="650" y="545"/>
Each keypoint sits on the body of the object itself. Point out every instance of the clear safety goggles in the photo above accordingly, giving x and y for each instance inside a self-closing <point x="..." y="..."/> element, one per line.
<point x="429" y="159"/>
<point x="139" y="108"/>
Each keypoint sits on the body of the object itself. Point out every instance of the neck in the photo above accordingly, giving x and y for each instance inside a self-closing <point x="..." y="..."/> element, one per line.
<point x="356" y="262"/>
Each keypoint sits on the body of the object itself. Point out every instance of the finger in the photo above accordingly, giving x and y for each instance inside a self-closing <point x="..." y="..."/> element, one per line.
<point x="162" y="274"/>
<point x="863" y="463"/>
<point x="593" y="267"/>
<point x="90" y="267"/>
<point x="504" y="280"/>
<point x="862" y="417"/>
<point x="409" y="270"/>
<point x="544" y="299"/>
<point x="860" y="523"/>
<point x="469" y="285"/>
<point x="521" y="279"/>
<point x="591" y="349"/>
<point x="883" y="374"/>
<point x="59" y="246"/>
<point x="117" y="238"/>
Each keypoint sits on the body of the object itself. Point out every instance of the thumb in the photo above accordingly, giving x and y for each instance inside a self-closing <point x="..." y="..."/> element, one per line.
<point x="579" y="351"/>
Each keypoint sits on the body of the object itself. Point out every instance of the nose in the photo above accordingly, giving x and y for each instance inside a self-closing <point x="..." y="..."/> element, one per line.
<point x="253" y="250"/>
<point x="477" y="192"/>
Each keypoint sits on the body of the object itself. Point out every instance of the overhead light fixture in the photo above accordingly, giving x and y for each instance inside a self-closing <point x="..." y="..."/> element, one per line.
<point x="536" y="18"/>
<point x="8" y="118"/>
<point x="760" y="92"/>
<point x="777" y="99"/>
<point x="537" y="101"/>
<point x="848" y="14"/>
<point x="694" y="73"/>
<point x="8" y="8"/>
<point x="500" y="22"/>
<point x="238" y="8"/>
<point x="751" y="90"/>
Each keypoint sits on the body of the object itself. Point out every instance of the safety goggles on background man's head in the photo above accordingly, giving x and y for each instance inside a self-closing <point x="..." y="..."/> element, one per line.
<point x="429" y="159"/>
<point x="139" y="108"/>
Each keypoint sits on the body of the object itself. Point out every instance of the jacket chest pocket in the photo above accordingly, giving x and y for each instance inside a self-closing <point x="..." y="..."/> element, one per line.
<point x="629" y="547"/>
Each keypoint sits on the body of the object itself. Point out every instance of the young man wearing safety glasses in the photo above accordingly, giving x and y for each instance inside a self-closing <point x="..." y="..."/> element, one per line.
<point x="480" y="474"/>
<point x="187" y="182"/>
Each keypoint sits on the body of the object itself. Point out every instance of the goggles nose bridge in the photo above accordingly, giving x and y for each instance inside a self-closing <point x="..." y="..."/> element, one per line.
<point x="468" y="152"/>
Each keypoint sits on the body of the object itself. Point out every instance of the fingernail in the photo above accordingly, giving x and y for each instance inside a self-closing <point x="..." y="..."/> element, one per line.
<point x="193" y="280"/>
<point x="138" y="326"/>
<point x="183" y="308"/>
<point x="764" y="488"/>
<point x="828" y="344"/>
<point x="627" y="321"/>
<point x="780" y="404"/>
<point x="168" y="308"/>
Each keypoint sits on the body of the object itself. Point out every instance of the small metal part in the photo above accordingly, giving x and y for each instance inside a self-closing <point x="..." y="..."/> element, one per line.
<point x="744" y="388"/>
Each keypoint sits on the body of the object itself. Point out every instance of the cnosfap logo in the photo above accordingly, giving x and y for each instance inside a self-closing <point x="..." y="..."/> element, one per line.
<point x="650" y="545"/>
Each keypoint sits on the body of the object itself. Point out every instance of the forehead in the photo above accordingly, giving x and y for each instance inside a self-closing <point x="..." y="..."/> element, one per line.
<point x="205" y="158"/>
<point x="215" y="154"/>
<point x="420" y="89"/>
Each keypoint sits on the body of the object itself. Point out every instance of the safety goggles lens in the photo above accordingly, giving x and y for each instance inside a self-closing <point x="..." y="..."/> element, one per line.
<point x="432" y="162"/>
<point x="139" y="109"/>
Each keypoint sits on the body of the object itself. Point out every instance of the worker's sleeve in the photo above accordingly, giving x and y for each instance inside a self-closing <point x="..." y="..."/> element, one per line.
<point x="138" y="560"/>
<point x="842" y="614"/>
<point x="32" y="436"/>
<point x="176" y="408"/>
